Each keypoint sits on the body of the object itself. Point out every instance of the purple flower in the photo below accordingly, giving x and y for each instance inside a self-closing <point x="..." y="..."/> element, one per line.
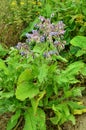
<point x="42" y="38"/>
<point x="22" y="53"/>
<point x="56" y="42"/>
<point x="45" y="55"/>
<point x="60" y="25"/>
<point x="61" y="32"/>
<point x="42" y="18"/>
<point x="34" y="31"/>
<point x="36" y="26"/>
<point x="27" y="40"/>
<point x="52" y="52"/>
<point x="18" y="46"/>
<point x="54" y="33"/>
<point x="28" y="35"/>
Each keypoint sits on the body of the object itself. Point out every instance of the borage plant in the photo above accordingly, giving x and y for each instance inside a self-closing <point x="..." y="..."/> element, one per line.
<point x="37" y="84"/>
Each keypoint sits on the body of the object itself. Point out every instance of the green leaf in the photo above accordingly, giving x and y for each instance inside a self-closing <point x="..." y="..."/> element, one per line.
<point x="6" y="94"/>
<point x="77" y="91"/>
<point x="54" y="120"/>
<point x="26" y="90"/>
<point x="25" y="86"/>
<point x="13" y="121"/>
<point x="79" y="41"/>
<point x="25" y="76"/>
<point x="62" y="113"/>
<point x="3" y="67"/>
<point x="75" y="105"/>
<point x="61" y="59"/>
<point x="84" y="70"/>
<point x="3" y="51"/>
<point x="34" y="121"/>
<point x="43" y="71"/>
<point x="80" y="52"/>
<point x="68" y="75"/>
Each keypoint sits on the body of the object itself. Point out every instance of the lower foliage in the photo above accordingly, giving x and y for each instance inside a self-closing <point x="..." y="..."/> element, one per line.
<point x="39" y="88"/>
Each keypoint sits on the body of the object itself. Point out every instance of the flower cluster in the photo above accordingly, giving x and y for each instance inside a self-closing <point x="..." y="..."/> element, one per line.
<point x="23" y="48"/>
<point x="47" y="31"/>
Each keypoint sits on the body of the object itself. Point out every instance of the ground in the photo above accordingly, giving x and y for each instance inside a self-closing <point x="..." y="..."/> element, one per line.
<point x="80" y="121"/>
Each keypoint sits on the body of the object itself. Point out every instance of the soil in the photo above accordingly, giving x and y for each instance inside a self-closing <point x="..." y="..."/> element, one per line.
<point x="80" y="122"/>
<point x="3" y="120"/>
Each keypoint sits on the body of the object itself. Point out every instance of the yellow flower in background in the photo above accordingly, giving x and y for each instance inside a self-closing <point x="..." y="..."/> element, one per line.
<point x="39" y="3"/>
<point x="36" y="3"/>
<point x="13" y="3"/>
<point x="22" y="3"/>
<point x="33" y="3"/>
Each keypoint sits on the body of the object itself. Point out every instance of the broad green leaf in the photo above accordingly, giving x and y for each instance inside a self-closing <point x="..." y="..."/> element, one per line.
<point x="13" y="121"/>
<point x="26" y="90"/>
<point x="79" y="41"/>
<point x="26" y="75"/>
<point x="34" y="121"/>
<point x="25" y="86"/>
